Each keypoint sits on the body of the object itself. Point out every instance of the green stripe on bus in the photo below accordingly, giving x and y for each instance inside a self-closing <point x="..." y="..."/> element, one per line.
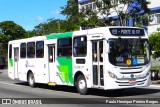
<point x="65" y="69"/>
<point x="59" y="35"/>
<point x="11" y="62"/>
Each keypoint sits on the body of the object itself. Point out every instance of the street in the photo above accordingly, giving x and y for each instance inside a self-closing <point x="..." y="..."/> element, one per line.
<point x="17" y="89"/>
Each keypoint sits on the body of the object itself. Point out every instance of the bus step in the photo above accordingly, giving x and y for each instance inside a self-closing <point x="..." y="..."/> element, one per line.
<point x="52" y="83"/>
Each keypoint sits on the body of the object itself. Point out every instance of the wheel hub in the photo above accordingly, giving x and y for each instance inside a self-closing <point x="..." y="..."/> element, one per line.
<point x="31" y="80"/>
<point x="82" y="84"/>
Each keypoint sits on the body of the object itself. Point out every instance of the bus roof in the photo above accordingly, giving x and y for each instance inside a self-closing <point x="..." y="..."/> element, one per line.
<point x="99" y="30"/>
<point x="39" y="38"/>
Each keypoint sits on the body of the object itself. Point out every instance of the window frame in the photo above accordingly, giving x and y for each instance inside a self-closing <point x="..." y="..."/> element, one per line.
<point x="69" y="46"/>
<point x="21" y="50"/>
<point x="32" y="47"/>
<point x="85" y="54"/>
<point x="10" y="51"/>
<point x="42" y="54"/>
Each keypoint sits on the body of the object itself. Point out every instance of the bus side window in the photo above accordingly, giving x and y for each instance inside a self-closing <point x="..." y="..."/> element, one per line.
<point x="23" y="50"/>
<point x="80" y="46"/>
<point x="10" y="51"/>
<point x="101" y="50"/>
<point x="64" y="47"/>
<point x="39" y="49"/>
<point x="31" y="50"/>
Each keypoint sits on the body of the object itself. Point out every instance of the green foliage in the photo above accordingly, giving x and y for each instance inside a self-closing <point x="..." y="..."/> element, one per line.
<point x="136" y="9"/>
<point x="155" y="68"/>
<point x="4" y="39"/>
<point x="10" y="28"/>
<point x="29" y="34"/>
<point x="71" y="9"/>
<point x="154" y="40"/>
<point x="9" y="31"/>
<point x="71" y="12"/>
<point x="53" y="26"/>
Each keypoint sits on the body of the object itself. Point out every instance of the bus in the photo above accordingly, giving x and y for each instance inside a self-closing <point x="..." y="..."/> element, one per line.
<point x="107" y="58"/>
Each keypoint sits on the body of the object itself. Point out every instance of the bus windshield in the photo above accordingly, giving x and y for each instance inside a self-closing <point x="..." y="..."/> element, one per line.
<point x="129" y="52"/>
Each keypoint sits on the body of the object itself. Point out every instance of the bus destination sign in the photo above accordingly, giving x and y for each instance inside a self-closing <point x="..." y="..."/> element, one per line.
<point x="127" y="31"/>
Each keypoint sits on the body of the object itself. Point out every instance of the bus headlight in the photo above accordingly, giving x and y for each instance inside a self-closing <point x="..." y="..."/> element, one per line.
<point x="112" y="75"/>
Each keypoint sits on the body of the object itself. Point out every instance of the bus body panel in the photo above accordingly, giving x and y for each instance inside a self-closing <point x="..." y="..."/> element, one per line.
<point x="124" y="77"/>
<point x="98" y="71"/>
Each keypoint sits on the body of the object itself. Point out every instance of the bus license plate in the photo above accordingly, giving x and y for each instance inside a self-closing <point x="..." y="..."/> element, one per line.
<point x="132" y="82"/>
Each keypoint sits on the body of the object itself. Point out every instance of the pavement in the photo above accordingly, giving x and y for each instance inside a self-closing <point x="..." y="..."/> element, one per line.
<point x="154" y="82"/>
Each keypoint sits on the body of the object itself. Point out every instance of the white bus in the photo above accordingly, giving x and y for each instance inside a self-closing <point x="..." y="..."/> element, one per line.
<point x="103" y="58"/>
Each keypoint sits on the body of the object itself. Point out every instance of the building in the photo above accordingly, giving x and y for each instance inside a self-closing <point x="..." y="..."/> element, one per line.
<point x="154" y="6"/>
<point x="90" y="4"/>
<point x="154" y="25"/>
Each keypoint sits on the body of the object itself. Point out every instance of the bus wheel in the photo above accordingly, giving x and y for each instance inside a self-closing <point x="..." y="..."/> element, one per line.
<point x="31" y="80"/>
<point x="81" y="85"/>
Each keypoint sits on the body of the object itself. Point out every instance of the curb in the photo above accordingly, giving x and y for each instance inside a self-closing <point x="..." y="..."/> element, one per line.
<point x="154" y="85"/>
<point x="156" y="82"/>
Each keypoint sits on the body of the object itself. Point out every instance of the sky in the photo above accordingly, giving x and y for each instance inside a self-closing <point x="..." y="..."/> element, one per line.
<point x="29" y="13"/>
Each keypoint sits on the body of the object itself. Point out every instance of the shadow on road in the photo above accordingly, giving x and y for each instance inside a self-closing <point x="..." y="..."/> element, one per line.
<point x="98" y="92"/>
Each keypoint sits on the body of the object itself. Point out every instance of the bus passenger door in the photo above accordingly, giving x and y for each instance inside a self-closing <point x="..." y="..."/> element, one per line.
<point x="51" y="61"/>
<point x="16" y="60"/>
<point x="97" y="65"/>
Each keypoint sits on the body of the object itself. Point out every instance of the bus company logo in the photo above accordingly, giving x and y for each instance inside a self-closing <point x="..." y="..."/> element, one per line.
<point x="114" y="31"/>
<point x="28" y="65"/>
<point x="6" y="101"/>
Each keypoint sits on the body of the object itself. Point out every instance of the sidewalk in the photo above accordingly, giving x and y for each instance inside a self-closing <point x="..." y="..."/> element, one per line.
<point x="156" y="82"/>
<point x="3" y="70"/>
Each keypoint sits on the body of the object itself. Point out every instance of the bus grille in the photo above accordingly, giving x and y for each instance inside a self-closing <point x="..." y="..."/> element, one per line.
<point x="130" y="68"/>
<point x="131" y="72"/>
<point x="126" y="83"/>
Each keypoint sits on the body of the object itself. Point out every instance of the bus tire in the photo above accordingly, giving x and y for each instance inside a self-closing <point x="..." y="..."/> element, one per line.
<point x="81" y="85"/>
<point x="31" y="80"/>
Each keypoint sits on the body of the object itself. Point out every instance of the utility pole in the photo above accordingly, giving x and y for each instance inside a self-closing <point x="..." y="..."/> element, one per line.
<point x="59" y="26"/>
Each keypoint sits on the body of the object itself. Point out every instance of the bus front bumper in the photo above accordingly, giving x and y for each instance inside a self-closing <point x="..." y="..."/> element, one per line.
<point x="112" y="83"/>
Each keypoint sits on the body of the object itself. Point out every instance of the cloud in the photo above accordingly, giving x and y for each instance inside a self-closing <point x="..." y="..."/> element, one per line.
<point x="39" y="19"/>
<point x="55" y="12"/>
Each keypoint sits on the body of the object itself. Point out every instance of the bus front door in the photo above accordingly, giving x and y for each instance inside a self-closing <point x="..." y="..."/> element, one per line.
<point x="51" y="60"/>
<point x="16" y="60"/>
<point x="97" y="66"/>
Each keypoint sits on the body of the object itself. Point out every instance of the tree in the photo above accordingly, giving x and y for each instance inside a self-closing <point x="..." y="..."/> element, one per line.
<point x="139" y="11"/>
<point x="4" y="43"/>
<point x="71" y="12"/>
<point x="9" y="28"/>
<point x="154" y="40"/>
<point x="123" y="9"/>
<point x="50" y="26"/>
<point x="29" y="34"/>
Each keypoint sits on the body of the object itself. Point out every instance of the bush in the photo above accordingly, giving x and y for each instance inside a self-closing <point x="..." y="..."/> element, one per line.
<point x="154" y="40"/>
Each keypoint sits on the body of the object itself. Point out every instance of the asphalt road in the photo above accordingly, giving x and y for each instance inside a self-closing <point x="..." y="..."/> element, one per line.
<point x="16" y="89"/>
